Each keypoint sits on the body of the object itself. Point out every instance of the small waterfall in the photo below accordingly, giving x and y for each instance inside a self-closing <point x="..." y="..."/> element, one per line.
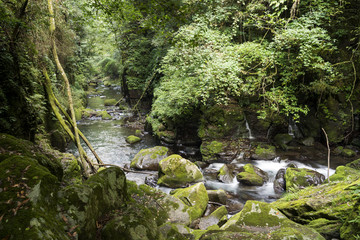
<point x="293" y="129"/>
<point x="249" y="129"/>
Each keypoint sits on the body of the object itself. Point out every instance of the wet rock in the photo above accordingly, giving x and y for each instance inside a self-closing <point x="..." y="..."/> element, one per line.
<point x="252" y="176"/>
<point x="132" y="139"/>
<point x="264" y="152"/>
<point x="218" y="196"/>
<point x="213" y="218"/>
<point x="298" y="178"/>
<point x="151" y="181"/>
<point x="225" y="174"/>
<point x="131" y="223"/>
<point x="327" y="228"/>
<point x="282" y="140"/>
<point x="148" y="159"/>
<point x="195" y="197"/>
<point x="265" y="221"/>
<point x="279" y="182"/>
<point x="176" y="171"/>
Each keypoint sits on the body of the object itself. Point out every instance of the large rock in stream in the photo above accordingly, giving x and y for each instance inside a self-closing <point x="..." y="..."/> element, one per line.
<point x="298" y="178"/>
<point x="252" y="175"/>
<point x="148" y="159"/>
<point x="176" y="171"/>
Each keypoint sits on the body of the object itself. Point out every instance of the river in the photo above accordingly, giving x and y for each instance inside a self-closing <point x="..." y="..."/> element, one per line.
<point x="108" y="139"/>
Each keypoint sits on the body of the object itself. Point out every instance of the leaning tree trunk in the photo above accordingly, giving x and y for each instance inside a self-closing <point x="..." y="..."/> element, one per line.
<point x="66" y="80"/>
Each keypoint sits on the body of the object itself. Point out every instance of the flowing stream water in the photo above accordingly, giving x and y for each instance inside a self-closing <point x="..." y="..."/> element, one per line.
<point x="108" y="139"/>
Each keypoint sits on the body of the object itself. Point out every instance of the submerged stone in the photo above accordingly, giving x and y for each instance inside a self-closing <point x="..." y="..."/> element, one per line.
<point x="176" y="171"/>
<point x="148" y="159"/>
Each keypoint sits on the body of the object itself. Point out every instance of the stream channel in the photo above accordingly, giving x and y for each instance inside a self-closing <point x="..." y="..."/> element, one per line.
<point x="108" y="139"/>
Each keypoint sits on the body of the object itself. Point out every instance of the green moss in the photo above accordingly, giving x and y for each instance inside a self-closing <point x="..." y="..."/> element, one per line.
<point x="297" y="178"/>
<point x="101" y="193"/>
<point x="78" y="113"/>
<point x="266" y="152"/>
<point x="104" y="115"/>
<point x="138" y="132"/>
<point x="110" y="102"/>
<point x="176" y="171"/>
<point x="348" y="153"/>
<point x="344" y="173"/>
<point x="11" y="146"/>
<point x="132" y="139"/>
<point x="28" y="201"/>
<point x="134" y="222"/>
<point x="259" y="215"/>
<point x="326" y="227"/>
<point x="210" y="150"/>
<point x="195" y="197"/>
<point x="86" y="113"/>
<point x="249" y="176"/>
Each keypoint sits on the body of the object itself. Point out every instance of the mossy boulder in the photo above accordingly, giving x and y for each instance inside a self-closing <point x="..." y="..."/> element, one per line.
<point x="176" y="171"/>
<point x="164" y="207"/>
<point x="195" y="197"/>
<point x="351" y="227"/>
<point x="264" y="152"/>
<point x="132" y="139"/>
<point x="104" y="115"/>
<point x="210" y="150"/>
<point x="344" y="173"/>
<point x="282" y="140"/>
<point x="354" y="164"/>
<point x="226" y="174"/>
<point x="133" y="222"/>
<point x="298" y="178"/>
<point x="332" y="203"/>
<point x="270" y="222"/>
<point x="252" y="176"/>
<point x="110" y="102"/>
<point x="213" y="219"/>
<point x="148" y="159"/>
<point x="101" y="193"/>
<point x="28" y="201"/>
<point x="12" y="146"/>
